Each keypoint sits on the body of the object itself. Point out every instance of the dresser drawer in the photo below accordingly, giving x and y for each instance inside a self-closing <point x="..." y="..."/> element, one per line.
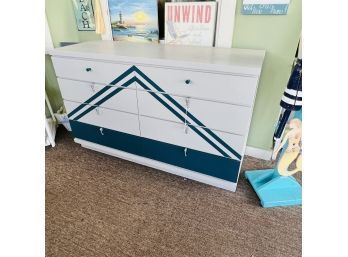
<point x="205" y="163"/>
<point x="177" y="134"/>
<point x="79" y="91"/>
<point x="102" y="117"/>
<point x="93" y="71"/>
<point x="122" y="99"/>
<point x="211" y="86"/>
<point x="220" y="116"/>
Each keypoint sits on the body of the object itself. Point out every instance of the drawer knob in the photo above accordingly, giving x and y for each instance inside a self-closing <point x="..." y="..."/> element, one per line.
<point x="185" y="151"/>
<point x="88" y="69"/>
<point x="187" y="81"/>
<point x="101" y="131"/>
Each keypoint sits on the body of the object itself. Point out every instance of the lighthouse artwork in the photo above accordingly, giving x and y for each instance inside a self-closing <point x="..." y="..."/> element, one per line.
<point x="134" y="20"/>
<point x="190" y="23"/>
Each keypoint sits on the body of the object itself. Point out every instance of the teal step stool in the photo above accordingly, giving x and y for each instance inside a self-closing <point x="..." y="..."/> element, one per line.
<point x="274" y="189"/>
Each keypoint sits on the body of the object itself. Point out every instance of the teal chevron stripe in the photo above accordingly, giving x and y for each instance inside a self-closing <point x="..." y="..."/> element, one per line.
<point x="199" y="123"/>
<point x="182" y="118"/>
<point x="102" y="91"/>
<point x="126" y="84"/>
<point x="135" y="79"/>
<point x="122" y="76"/>
<point x="148" y="79"/>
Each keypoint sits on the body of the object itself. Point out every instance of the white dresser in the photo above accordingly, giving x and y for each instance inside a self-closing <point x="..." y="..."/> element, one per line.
<point x="184" y="110"/>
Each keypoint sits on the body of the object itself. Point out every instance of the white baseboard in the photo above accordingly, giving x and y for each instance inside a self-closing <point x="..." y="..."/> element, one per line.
<point x="258" y="153"/>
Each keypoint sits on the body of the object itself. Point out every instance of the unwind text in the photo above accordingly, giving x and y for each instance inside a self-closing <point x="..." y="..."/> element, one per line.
<point x="189" y="13"/>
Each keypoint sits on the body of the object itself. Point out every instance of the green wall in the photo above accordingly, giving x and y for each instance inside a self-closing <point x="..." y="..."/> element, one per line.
<point x="278" y="35"/>
<point x="63" y="28"/>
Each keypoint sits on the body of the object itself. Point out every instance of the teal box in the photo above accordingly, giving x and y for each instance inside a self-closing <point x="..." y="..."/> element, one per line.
<point x="265" y="9"/>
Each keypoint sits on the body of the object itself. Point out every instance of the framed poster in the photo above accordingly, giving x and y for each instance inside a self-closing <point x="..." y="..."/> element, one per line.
<point x="190" y="23"/>
<point x="134" y="20"/>
<point x="224" y="21"/>
<point x="84" y="15"/>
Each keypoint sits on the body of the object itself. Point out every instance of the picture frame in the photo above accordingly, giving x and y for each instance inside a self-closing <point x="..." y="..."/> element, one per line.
<point x="224" y="23"/>
<point x="84" y="15"/>
<point x="134" y="20"/>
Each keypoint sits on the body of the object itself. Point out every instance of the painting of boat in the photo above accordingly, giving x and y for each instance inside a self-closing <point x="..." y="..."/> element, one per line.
<point x="134" y="20"/>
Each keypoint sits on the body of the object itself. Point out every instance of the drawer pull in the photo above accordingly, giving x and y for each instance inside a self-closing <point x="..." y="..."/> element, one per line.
<point x="88" y="69"/>
<point x="187" y="100"/>
<point x="93" y="88"/>
<point x="185" y="151"/>
<point x="185" y="127"/>
<point x="187" y="81"/>
<point x="101" y="131"/>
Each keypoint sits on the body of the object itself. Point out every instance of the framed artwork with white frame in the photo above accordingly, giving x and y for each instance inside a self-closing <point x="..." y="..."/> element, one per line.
<point x="224" y="22"/>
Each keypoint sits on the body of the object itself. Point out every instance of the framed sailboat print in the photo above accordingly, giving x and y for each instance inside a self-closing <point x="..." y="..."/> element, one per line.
<point x="134" y="20"/>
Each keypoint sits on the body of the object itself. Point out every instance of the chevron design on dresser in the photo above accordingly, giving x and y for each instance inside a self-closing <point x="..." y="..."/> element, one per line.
<point x="180" y="109"/>
<point x="135" y="75"/>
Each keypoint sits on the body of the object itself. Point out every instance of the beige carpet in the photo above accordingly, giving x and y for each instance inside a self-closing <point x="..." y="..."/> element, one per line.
<point x="98" y="205"/>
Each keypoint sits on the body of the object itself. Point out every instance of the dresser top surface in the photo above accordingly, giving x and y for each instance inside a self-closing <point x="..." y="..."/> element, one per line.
<point x="233" y="60"/>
